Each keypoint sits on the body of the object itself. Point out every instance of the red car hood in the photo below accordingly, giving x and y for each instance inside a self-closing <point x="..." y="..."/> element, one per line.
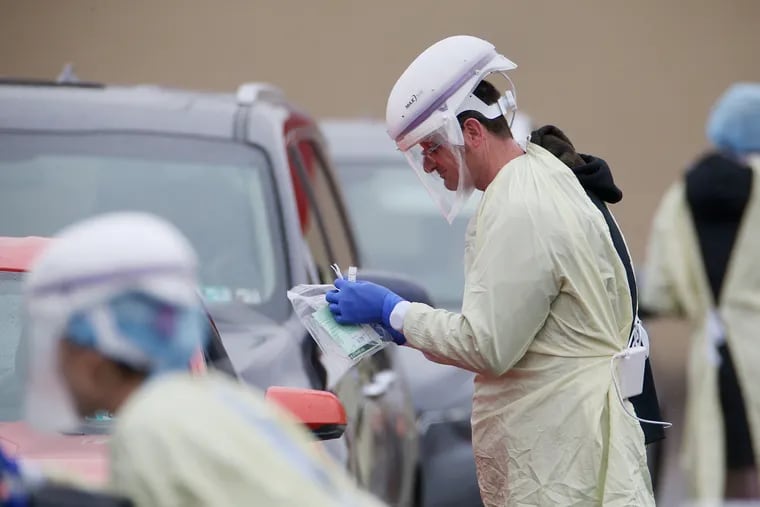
<point x="82" y="457"/>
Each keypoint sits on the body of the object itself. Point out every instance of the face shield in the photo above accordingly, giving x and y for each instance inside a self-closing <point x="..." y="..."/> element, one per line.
<point x="439" y="163"/>
<point x="422" y="111"/>
<point x="436" y="150"/>
<point x="55" y="312"/>
<point x="82" y="289"/>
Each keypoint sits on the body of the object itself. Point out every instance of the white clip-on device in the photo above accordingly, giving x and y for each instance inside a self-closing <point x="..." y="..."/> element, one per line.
<point x="627" y="369"/>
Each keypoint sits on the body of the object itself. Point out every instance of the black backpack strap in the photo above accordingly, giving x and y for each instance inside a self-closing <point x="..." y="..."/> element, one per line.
<point x="646" y="404"/>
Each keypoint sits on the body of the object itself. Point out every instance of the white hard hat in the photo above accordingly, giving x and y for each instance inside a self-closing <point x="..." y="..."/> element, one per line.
<point x="85" y="269"/>
<point x="426" y="99"/>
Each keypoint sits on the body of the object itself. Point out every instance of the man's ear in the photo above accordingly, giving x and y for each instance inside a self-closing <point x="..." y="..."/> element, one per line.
<point x="473" y="131"/>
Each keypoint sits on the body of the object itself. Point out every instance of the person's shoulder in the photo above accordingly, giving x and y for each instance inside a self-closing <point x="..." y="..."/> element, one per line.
<point x="181" y="404"/>
<point x="159" y="402"/>
<point x="518" y="189"/>
<point x="528" y="174"/>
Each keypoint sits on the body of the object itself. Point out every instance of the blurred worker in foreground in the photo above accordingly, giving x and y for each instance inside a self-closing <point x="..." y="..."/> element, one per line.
<point x="113" y="321"/>
<point x="547" y="305"/>
<point x="702" y="265"/>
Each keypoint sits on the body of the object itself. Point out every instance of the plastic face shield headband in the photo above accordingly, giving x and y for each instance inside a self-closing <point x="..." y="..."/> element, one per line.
<point x="506" y="104"/>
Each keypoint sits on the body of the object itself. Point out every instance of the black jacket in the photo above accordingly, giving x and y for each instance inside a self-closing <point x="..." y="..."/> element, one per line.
<point x="596" y="179"/>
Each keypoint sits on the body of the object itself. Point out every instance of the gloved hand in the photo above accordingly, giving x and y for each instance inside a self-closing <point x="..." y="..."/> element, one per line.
<point x="362" y="303"/>
<point x="12" y="493"/>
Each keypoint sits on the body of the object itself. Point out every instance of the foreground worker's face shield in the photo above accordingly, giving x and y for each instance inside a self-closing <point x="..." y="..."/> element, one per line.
<point x="438" y="161"/>
<point x="112" y="315"/>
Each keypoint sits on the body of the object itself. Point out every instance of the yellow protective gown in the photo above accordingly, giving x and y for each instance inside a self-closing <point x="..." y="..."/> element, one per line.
<point x="189" y="441"/>
<point x="676" y="284"/>
<point x="546" y="306"/>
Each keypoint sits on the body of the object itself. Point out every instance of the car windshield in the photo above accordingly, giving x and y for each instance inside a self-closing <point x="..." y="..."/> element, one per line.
<point x="219" y="193"/>
<point x="11" y="361"/>
<point x="399" y="229"/>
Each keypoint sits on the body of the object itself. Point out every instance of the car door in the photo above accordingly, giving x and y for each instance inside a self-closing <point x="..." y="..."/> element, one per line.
<point x="382" y="442"/>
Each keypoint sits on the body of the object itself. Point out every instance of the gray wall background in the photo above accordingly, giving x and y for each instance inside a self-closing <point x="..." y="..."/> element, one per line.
<point x="629" y="80"/>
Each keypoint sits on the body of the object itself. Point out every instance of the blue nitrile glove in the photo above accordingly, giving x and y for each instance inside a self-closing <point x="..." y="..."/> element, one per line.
<point x="387" y="333"/>
<point x="362" y="303"/>
<point x="13" y="494"/>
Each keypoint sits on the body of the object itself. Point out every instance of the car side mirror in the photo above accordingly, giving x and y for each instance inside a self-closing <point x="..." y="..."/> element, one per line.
<point x="400" y="284"/>
<point x="321" y="411"/>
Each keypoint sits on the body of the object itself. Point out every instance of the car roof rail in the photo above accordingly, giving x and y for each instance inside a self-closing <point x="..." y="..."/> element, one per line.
<point x="67" y="77"/>
<point x="248" y="93"/>
<point x="22" y="81"/>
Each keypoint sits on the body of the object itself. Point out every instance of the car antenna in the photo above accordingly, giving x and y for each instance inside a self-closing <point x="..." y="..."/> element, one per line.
<point x="67" y="75"/>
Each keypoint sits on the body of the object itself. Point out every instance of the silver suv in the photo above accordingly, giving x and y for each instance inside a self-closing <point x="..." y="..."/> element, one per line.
<point x="245" y="177"/>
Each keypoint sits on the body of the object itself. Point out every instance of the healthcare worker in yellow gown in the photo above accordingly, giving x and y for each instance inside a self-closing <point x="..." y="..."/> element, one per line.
<point x="114" y="319"/>
<point x="546" y="300"/>
<point x="702" y="265"/>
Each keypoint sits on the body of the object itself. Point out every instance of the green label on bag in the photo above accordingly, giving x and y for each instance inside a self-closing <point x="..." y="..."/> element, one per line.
<point x="351" y="339"/>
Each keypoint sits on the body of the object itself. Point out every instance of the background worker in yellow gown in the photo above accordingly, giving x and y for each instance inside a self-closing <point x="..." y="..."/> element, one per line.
<point x="702" y="265"/>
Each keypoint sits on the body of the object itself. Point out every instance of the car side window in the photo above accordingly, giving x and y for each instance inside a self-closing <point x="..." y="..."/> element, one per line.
<point x="330" y="205"/>
<point x="324" y="223"/>
<point x="214" y="353"/>
<point x="312" y="226"/>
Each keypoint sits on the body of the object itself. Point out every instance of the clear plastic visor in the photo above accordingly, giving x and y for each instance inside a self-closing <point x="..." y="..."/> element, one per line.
<point x="438" y="161"/>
